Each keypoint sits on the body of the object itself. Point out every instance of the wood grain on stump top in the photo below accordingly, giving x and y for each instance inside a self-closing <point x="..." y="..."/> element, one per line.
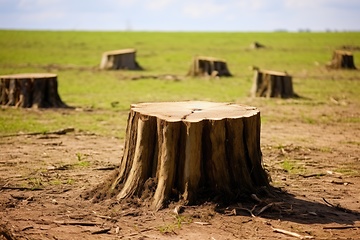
<point x="28" y="76"/>
<point x="275" y="73"/>
<point x="194" y="111"/>
<point x="211" y="59"/>
<point x="120" y="51"/>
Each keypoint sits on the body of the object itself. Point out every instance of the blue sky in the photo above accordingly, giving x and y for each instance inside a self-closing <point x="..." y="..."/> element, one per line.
<point x="181" y="15"/>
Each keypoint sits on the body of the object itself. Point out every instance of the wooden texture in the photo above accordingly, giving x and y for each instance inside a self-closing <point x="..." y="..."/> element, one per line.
<point x="209" y="66"/>
<point x="120" y="59"/>
<point x="187" y="148"/>
<point x="342" y="60"/>
<point x="272" y="84"/>
<point x="38" y="90"/>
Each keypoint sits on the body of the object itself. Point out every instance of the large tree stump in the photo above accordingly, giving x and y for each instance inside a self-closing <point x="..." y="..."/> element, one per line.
<point x="38" y="90"/>
<point x="188" y="148"/>
<point x="120" y="59"/>
<point x="208" y="66"/>
<point x="342" y="60"/>
<point x="272" y="84"/>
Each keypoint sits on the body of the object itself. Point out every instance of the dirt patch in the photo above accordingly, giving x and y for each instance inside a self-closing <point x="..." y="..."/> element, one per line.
<point x="314" y="165"/>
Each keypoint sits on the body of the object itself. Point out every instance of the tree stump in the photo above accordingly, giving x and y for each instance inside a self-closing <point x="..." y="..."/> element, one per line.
<point x="272" y="84"/>
<point x="184" y="149"/>
<point x="342" y="60"/>
<point x="38" y="90"/>
<point x="256" y="45"/>
<point x="208" y="66"/>
<point x="120" y="59"/>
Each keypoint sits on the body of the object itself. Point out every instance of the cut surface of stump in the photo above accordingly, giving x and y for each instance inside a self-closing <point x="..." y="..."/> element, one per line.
<point x="209" y="66"/>
<point x="38" y="90"/>
<point x="187" y="149"/>
<point x="120" y="59"/>
<point x="272" y="84"/>
<point x="342" y="60"/>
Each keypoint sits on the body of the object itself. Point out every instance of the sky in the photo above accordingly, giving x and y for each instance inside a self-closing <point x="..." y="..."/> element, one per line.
<point x="181" y="15"/>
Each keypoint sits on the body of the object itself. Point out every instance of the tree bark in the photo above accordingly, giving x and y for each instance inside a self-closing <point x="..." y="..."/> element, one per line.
<point x="38" y="90"/>
<point x="208" y="66"/>
<point x="272" y="84"/>
<point x="188" y="148"/>
<point x="119" y="59"/>
<point x="342" y="60"/>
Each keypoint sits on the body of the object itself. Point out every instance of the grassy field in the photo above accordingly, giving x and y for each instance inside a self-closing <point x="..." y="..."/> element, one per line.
<point x="102" y="98"/>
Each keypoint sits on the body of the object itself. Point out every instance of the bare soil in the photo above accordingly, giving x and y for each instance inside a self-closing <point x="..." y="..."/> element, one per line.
<point x="313" y="162"/>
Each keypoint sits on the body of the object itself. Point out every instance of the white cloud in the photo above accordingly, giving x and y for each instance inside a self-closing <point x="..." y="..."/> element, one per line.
<point x="44" y="16"/>
<point x="251" y="4"/>
<point x="31" y="4"/>
<point x="199" y="10"/>
<point x="303" y="3"/>
<point x="158" y="4"/>
<point x="319" y="3"/>
<point x="122" y="3"/>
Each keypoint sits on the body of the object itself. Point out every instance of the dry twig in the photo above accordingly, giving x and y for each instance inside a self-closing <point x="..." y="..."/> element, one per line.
<point x="338" y="207"/>
<point x="265" y="208"/>
<point x="106" y="230"/>
<point x="202" y="223"/>
<point x="57" y="132"/>
<point x="312" y="175"/>
<point x="21" y="188"/>
<point x="291" y="233"/>
<point x="253" y="196"/>
<point x="341" y="227"/>
<point x="77" y="223"/>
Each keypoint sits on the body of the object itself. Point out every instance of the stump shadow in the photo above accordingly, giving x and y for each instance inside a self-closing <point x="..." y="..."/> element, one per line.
<point x="288" y="207"/>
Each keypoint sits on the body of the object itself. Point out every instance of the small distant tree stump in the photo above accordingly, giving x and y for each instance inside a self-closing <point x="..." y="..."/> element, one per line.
<point x="38" y="90"/>
<point x="256" y="45"/>
<point x="208" y="66"/>
<point x="120" y="59"/>
<point x="342" y="60"/>
<point x="272" y="84"/>
<point x="188" y="148"/>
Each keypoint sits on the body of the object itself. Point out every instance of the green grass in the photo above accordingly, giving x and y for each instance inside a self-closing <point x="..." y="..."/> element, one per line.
<point x="171" y="227"/>
<point x="348" y="171"/>
<point x="293" y="166"/>
<point x="102" y="98"/>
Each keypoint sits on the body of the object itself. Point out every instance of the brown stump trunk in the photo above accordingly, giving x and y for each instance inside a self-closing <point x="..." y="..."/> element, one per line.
<point x="208" y="66"/>
<point x="39" y="90"/>
<point x="189" y="148"/>
<point x="272" y="84"/>
<point x="119" y="59"/>
<point x="342" y="59"/>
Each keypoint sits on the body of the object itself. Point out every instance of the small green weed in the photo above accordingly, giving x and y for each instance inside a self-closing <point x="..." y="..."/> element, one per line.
<point x="182" y="219"/>
<point x="348" y="171"/>
<point x="55" y="182"/>
<point x="83" y="164"/>
<point x="79" y="156"/>
<point x="179" y="220"/>
<point x="168" y="228"/>
<point x="356" y="143"/>
<point x="35" y="182"/>
<point x="81" y="160"/>
<point x="292" y="166"/>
